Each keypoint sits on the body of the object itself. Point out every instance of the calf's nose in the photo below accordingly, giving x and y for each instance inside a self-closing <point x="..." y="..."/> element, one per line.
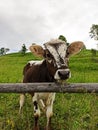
<point x="64" y="74"/>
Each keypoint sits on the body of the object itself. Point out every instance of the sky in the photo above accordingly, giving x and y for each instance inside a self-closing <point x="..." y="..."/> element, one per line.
<point x="38" y="21"/>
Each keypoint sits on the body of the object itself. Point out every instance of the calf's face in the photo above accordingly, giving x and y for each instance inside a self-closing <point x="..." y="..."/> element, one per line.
<point x="57" y="60"/>
<point x="57" y="55"/>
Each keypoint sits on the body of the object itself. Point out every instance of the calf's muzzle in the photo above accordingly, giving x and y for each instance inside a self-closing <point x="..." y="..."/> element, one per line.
<point x="62" y="74"/>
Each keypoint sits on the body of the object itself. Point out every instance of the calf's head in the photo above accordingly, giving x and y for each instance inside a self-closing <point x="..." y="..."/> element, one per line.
<point x="56" y="54"/>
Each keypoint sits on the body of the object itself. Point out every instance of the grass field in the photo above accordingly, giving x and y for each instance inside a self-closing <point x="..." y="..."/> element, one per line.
<point x="71" y="111"/>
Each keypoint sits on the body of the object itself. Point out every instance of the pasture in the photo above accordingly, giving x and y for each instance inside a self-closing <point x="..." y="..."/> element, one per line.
<point x="71" y="111"/>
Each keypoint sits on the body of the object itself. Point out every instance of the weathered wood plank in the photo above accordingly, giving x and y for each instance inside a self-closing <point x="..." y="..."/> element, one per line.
<point x="48" y="87"/>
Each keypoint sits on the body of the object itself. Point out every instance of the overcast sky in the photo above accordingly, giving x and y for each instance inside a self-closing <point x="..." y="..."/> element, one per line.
<point x="38" y="21"/>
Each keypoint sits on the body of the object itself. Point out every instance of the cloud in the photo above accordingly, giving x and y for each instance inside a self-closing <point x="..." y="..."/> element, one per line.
<point x="23" y="21"/>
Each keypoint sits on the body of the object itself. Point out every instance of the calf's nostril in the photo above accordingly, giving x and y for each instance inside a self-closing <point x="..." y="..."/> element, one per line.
<point x="67" y="72"/>
<point x="61" y="73"/>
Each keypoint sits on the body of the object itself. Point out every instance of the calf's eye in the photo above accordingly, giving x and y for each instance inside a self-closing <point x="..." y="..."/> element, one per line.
<point x="48" y="55"/>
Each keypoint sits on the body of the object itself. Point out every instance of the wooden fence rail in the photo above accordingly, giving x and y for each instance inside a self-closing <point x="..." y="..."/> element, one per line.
<point x="48" y="87"/>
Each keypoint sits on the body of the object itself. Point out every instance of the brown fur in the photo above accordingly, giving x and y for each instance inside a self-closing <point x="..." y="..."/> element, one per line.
<point x="37" y="73"/>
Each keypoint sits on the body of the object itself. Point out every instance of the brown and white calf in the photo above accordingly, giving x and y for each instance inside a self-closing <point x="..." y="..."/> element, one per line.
<point x="54" y="67"/>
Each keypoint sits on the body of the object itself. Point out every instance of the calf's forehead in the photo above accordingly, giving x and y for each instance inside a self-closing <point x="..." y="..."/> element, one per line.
<point x="57" y="49"/>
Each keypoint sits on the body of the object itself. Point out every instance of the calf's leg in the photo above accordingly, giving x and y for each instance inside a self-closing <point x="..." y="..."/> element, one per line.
<point x="36" y="113"/>
<point x="21" y="102"/>
<point x="49" y="114"/>
<point x="49" y="111"/>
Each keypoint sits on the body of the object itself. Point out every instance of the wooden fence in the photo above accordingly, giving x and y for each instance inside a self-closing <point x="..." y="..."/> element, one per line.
<point x="48" y="87"/>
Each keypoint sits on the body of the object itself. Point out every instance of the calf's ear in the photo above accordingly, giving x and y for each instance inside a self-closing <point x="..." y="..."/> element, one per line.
<point x="37" y="50"/>
<point x="75" y="47"/>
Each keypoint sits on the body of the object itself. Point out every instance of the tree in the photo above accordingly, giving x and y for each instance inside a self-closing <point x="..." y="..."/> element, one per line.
<point x="4" y="50"/>
<point x="61" y="37"/>
<point x="24" y="49"/>
<point x="94" y="31"/>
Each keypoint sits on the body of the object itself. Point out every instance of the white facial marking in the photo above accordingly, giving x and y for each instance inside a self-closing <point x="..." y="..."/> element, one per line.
<point x="59" y="52"/>
<point x="52" y="51"/>
<point x="62" y="51"/>
<point x="32" y="62"/>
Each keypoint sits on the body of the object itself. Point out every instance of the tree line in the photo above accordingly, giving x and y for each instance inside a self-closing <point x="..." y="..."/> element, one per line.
<point x="4" y="50"/>
<point x="93" y="34"/>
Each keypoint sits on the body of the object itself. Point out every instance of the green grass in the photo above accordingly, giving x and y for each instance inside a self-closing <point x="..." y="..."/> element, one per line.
<point x="71" y="111"/>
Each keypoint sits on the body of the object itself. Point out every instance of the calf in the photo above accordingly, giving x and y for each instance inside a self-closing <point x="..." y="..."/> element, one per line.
<point x="53" y="68"/>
